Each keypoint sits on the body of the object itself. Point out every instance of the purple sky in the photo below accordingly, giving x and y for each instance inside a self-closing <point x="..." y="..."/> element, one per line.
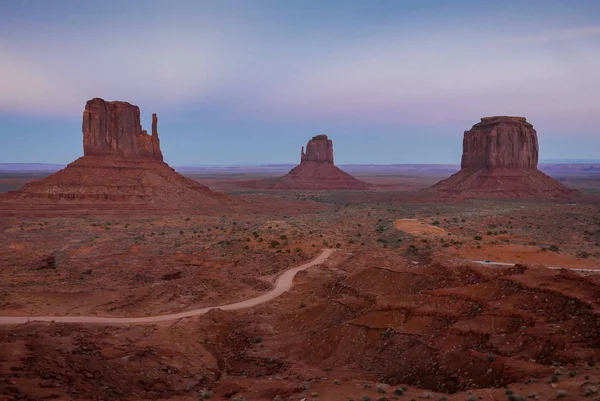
<point x="249" y="82"/>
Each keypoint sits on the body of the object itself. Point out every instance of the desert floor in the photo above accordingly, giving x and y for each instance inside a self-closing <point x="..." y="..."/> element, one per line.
<point x="398" y="311"/>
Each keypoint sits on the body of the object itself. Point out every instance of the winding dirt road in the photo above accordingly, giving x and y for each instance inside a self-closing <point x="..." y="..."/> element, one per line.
<point x="282" y="284"/>
<point x="503" y="264"/>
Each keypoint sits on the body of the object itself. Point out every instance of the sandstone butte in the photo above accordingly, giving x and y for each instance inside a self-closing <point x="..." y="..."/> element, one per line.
<point x="500" y="159"/>
<point x="316" y="171"/>
<point x="122" y="165"/>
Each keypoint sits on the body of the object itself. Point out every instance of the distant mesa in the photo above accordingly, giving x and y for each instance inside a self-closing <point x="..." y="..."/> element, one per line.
<point x="500" y="159"/>
<point x="318" y="149"/>
<point x="316" y="171"/>
<point x="122" y="165"/>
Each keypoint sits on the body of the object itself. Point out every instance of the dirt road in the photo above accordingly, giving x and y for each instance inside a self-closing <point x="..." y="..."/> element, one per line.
<point x="282" y="284"/>
<point x="490" y="263"/>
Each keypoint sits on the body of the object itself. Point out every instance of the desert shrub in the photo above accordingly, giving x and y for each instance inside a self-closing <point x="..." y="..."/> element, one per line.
<point x="477" y="238"/>
<point x="399" y="391"/>
<point x="387" y="333"/>
<point x="553" y="248"/>
<point x="561" y="394"/>
<point x="583" y="255"/>
<point x="283" y="237"/>
<point x="274" y="244"/>
<point x="533" y="396"/>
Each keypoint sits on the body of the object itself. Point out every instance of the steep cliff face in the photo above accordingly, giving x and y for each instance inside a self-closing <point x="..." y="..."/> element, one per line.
<point x="114" y="129"/>
<point x="500" y="159"/>
<point x="318" y="149"/>
<point x="501" y="142"/>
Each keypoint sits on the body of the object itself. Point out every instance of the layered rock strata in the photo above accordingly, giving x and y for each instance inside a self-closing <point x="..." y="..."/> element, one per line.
<point x="500" y="159"/>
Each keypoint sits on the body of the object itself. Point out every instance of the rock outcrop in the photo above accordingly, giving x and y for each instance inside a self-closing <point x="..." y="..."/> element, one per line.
<point x="501" y="142"/>
<point x="318" y="149"/>
<point x="500" y="159"/>
<point x="122" y="165"/>
<point x="316" y="171"/>
<point x="114" y="129"/>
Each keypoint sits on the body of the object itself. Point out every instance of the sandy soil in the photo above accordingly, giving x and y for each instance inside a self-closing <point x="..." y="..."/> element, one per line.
<point x="416" y="227"/>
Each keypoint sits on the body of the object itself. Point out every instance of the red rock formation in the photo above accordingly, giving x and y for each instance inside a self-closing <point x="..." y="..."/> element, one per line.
<point x="500" y="159"/>
<point x="318" y="149"/>
<point x="114" y="129"/>
<point x="122" y="164"/>
<point x="501" y="142"/>
<point x="316" y="171"/>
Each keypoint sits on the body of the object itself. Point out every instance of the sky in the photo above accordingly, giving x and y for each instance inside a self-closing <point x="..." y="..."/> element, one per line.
<point x="249" y="82"/>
